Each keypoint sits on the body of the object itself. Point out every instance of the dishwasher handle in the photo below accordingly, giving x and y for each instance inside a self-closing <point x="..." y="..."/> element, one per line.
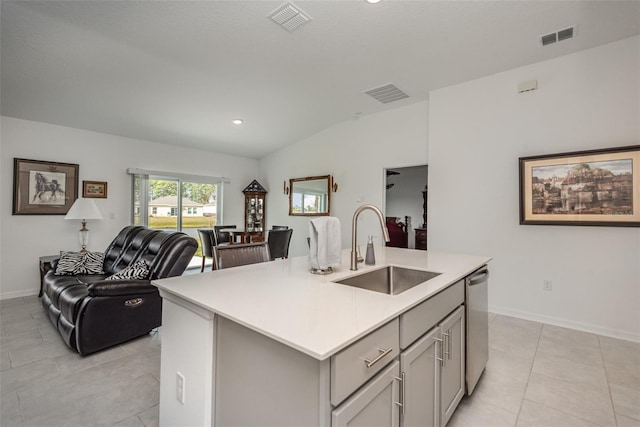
<point x="478" y="277"/>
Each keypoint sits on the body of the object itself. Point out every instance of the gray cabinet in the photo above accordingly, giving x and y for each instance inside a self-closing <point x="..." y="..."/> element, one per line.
<point x="408" y="372"/>
<point x="421" y="376"/>
<point x="375" y="404"/>
<point x="362" y="360"/>
<point x="433" y="372"/>
<point x="424" y="389"/>
<point x="452" y="376"/>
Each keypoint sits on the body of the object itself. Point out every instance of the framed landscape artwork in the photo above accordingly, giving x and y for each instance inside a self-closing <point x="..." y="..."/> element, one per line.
<point x="94" y="189"/>
<point x="43" y="188"/>
<point x="596" y="187"/>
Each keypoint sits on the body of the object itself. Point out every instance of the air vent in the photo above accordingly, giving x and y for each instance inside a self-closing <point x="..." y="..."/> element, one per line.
<point x="565" y="34"/>
<point x="387" y="93"/>
<point x="549" y="38"/>
<point x="289" y="17"/>
<point x="558" y="36"/>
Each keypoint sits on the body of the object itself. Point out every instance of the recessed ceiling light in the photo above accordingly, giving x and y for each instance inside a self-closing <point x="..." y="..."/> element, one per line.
<point x="237" y="121"/>
<point x="373" y="1"/>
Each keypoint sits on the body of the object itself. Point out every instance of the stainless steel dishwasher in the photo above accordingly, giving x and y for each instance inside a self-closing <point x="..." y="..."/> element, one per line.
<point x="476" y="310"/>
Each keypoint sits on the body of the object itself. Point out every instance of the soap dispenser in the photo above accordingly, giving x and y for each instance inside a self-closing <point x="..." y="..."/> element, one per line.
<point x="370" y="258"/>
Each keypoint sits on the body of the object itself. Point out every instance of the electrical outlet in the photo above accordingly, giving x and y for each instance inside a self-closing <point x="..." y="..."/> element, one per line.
<point x="546" y="285"/>
<point x="180" y="387"/>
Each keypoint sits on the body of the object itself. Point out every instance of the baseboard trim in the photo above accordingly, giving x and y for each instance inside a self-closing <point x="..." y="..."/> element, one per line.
<point x="17" y="294"/>
<point x="565" y="323"/>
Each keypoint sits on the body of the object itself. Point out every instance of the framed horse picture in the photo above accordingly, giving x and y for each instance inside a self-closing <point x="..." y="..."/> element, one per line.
<point x="43" y="188"/>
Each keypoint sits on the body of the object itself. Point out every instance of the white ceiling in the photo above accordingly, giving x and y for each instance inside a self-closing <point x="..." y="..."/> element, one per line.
<point x="179" y="71"/>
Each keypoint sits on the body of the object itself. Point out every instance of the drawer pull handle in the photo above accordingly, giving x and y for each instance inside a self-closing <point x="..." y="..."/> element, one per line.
<point x="441" y="358"/>
<point x="447" y="344"/>
<point x="403" y="381"/>
<point x="382" y="354"/>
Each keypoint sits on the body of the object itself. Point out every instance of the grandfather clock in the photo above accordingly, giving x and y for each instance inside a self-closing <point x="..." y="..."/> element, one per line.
<point x="424" y="206"/>
<point x="254" y="210"/>
<point x="421" y="232"/>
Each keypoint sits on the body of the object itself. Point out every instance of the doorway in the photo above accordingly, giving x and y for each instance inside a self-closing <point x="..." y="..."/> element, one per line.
<point x="405" y="202"/>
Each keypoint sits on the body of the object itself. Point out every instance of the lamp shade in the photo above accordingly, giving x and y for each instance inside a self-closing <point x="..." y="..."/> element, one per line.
<point x="84" y="209"/>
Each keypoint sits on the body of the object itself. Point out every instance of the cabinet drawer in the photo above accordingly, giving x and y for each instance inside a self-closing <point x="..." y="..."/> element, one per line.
<point x="417" y="321"/>
<point x="359" y="362"/>
<point x="374" y="404"/>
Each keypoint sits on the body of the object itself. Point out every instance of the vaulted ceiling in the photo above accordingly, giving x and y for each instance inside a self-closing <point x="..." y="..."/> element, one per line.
<point x="178" y="72"/>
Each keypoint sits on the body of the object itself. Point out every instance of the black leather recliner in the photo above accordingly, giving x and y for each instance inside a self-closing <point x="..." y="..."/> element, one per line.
<point x="92" y="313"/>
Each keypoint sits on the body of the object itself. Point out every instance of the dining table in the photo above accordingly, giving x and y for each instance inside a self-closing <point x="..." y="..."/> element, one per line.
<point x="237" y="235"/>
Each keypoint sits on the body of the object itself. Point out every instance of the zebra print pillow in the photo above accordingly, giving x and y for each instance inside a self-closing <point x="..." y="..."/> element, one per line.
<point x="93" y="262"/>
<point x="137" y="271"/>
<point x="71" y="263"/>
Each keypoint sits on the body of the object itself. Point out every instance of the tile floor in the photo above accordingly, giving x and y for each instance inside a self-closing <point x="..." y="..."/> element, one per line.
<point x="538" y="375"/>
<point x="542" y="375"/>
<point x="44" y="383"/>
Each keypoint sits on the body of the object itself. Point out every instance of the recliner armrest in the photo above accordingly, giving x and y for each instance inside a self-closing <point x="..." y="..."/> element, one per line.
<point x="106" y="288"/>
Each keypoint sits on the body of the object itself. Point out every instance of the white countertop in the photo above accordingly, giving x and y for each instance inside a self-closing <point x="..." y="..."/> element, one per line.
<point x="283" y="301"/>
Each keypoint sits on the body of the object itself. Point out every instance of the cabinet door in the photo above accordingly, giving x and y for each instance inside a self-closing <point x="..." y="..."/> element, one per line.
<point x="375" y="404"/>
<point x="421" y="369"/>
<point x="452" y="376"/>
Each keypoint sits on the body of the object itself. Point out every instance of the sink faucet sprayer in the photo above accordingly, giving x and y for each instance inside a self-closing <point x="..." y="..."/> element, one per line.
<point x="354" y="232"/>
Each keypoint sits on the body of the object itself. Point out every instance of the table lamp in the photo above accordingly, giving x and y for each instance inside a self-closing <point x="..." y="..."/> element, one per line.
<point x="83" y="209"/>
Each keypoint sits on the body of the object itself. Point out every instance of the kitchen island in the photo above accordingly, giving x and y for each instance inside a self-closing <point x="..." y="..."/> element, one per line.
<point x="255" y="345"/>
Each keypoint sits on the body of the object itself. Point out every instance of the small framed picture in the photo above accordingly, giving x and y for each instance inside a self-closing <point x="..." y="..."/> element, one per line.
<point x="94" y="189"/>
<point x="43" y="188"/>
<point x="596" y="187"/>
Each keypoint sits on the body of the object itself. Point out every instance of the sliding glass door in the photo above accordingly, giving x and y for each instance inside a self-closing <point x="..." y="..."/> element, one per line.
<point x="175" y="204"/>
<point x="199" y="205"/>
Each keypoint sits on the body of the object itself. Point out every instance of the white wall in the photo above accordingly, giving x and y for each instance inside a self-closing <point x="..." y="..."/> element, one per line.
<point x="101" y="158"/>
<point x="355" y="152"/>
<point x="477" y="132"/>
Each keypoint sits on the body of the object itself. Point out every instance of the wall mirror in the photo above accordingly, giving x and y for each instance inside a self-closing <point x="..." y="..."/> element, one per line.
<point x="309" y="196"/>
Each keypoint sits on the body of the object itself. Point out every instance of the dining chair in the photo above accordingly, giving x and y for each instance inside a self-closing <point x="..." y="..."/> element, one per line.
<point x="222" y="237"/>
<point x="279" y="227"/>
<point x="207" y="242"/>
<point x="278" y="241"/>
<point x="240" y="254"/>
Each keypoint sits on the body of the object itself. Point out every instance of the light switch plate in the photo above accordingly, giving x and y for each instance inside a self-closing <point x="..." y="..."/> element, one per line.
<point x="180" y="387"/>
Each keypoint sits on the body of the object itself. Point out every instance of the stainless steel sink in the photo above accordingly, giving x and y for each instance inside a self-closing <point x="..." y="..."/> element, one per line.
<point x="389" y="280"/>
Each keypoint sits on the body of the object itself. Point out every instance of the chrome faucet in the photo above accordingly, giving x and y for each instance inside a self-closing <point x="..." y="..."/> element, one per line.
<point x="354" y="232"/>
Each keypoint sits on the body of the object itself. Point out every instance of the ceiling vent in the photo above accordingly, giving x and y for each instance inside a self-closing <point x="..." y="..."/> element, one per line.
<point x="387" y="93"/>
<point x="289" y="17"/>
<point x="558" y="36"/>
